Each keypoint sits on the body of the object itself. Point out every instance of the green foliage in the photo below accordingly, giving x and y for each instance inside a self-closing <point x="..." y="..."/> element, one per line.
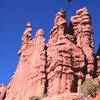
<point x="90" y="87"/>
<point x="97" y="84"/>
<point x="34" y="98"/>
<point x="98" y="88"/>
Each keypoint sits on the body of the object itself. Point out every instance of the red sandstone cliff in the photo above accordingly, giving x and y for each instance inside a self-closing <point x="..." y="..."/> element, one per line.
<point x="66" y="60"/>
<point x="29" y="78"/>
<point x="59" y="67"/>
<point x="84" y="36"/>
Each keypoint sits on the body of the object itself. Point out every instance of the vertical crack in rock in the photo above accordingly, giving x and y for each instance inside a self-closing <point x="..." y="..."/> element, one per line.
<point x="46" y="83"/>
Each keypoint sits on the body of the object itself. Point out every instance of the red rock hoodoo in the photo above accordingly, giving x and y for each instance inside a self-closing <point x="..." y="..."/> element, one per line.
<point x="30" y="78"/>
<point x="59" y="67"/>
<point x="84" y="36"/>
<point x="66" y="60"/>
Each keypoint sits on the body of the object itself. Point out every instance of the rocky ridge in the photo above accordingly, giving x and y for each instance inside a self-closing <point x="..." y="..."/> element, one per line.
<point x="59" y="67"/>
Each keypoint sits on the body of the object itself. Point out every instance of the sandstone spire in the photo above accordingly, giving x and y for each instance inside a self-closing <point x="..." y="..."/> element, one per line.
<point x="65" y="60"/>
<point x="29" y="79"/>
<point x="27" y="34"/>
<point x="84" y="36"/>
<point x="60" y="19"/>
<point x="60" y="23"/>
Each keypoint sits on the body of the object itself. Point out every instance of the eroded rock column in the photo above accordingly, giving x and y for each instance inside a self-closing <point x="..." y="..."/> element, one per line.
<point x="64" y="57"/>
<point x="29" y="79"/>
<point x="84" y="36"/>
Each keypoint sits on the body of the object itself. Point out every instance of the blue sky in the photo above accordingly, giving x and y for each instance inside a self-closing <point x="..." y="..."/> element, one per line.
<point x="14" y="15"/>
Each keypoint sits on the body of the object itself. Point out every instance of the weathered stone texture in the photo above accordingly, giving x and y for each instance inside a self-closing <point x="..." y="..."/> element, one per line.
<point x="59" y="67"/>
<point x="2" y="91"/>
<point x="29" y="78"/>
<point x="65" y="61"/>
<point x="84" y="36"/>
<point x="63" y="96"/>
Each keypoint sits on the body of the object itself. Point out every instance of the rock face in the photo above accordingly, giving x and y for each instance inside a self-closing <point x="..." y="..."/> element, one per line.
<point x="63" y="96"/>
<point x="66" y="60"/>
<point x="2" y="91"/>
<point x="84" y="36"/>
<point x="59" y="67"/>
<point x="29" y="79"/>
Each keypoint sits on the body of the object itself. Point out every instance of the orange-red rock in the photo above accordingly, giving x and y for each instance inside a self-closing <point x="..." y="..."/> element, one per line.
<point x="2" y="91"/>
<point x="84" y="36"/>
<point x="59" y="67"/>
<point x="97" y="97"/>
<point x="63" y="96"/>
<point x="65" y="61"/>
<point x="29" y="78"/>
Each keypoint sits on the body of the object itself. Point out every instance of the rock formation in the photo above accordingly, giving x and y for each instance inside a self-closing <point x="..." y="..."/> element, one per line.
<point x="84" y="36"/>
<point x="59" y="67"/>
<point x="29" y="79"/>
<point x="2" y="91"/>
<point x="66" y="60"/>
